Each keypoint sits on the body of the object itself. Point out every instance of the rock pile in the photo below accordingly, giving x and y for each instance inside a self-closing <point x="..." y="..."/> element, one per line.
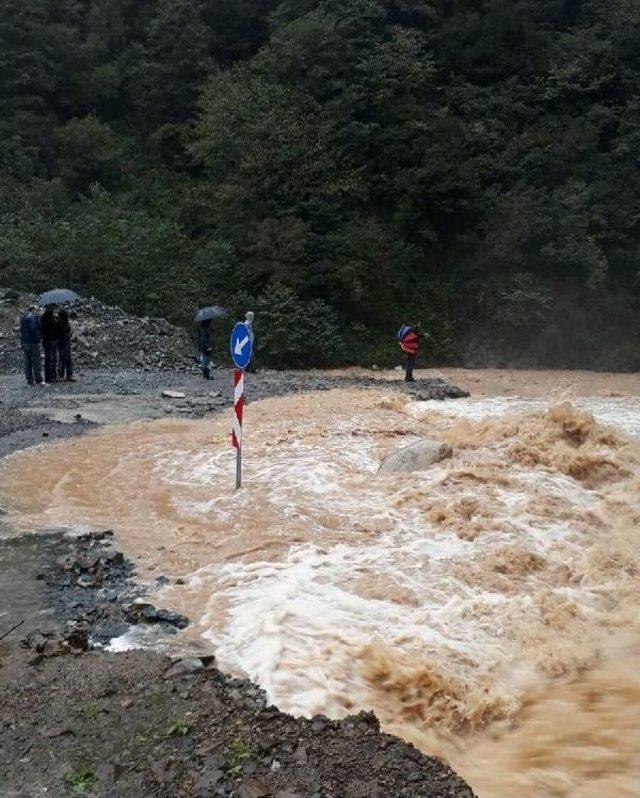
<point x="141" y="611"/>
<point x="103" y="337"/>
<point x="51" y="641"/>
<point x="91" y="580"/>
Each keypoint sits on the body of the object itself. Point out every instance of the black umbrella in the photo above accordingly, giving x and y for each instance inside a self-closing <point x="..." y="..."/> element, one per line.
<point x="212" y="312"/>
<point x="58" y="296"/>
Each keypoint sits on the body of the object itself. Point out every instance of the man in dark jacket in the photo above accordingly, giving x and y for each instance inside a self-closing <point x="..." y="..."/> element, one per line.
<point x="50" y="337"/>
<point x="30" y="338"/>
<point x="205" y="345"/>
<point x="65" y="366"/>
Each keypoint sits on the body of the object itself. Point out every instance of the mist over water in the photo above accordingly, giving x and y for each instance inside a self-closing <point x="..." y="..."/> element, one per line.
<point x="486" y="609"/>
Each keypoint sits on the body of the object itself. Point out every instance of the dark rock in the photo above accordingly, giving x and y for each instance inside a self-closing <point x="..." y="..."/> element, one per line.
<point x="209" y="779"/>
<point x="55" y="643"/>
<point x="149" y="614"/>
<point x="113" y="557"/>
<point x="106" y="774"/>
<point x="77" y="639"/>
<point x="319" y="723"/>
<point x="88" y="563"/>
<point x="362" y="789"/>
<point x="164" y="770"/>
<point x="300" y="756"/>
<point x="67" y="562"/>
<point x="173" y="618"/>
<point x="253" y="789"/>
<point x="214" y="762"/>
<point x="183" y="667"/>
<point x="100" y="534"/>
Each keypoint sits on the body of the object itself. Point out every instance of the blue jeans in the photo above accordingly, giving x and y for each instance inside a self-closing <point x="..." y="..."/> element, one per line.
<point x="31" y="361"/>
<point x="65" y="366"/>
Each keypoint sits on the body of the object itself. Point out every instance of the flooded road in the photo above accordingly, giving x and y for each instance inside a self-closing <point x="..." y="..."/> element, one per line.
<point x="486" y="609"/>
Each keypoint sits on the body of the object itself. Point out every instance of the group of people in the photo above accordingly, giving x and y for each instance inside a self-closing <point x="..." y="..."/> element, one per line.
<point x="50" y="331"/>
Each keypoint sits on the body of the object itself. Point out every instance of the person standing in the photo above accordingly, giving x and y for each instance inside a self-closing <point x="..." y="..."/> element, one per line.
<point x="409" y="339"/>
<point x="30" y="338"/>
<point x="65" y="366"/>
<point x="205" y="345"/>
<point x="50" y="344"/>
<point x="248" y="320"/>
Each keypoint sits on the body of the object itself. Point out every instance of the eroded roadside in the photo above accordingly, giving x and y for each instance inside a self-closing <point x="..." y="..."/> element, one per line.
<point x="76" y="718"/>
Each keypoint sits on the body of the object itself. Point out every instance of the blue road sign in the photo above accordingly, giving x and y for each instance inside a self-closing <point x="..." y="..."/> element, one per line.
<point x="241" y="345"/>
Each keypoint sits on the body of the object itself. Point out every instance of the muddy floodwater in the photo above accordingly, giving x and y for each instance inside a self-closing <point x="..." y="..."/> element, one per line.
<point x="487" y="609"/>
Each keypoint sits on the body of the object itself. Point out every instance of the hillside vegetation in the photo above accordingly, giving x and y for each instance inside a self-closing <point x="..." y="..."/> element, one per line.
<point x="343" y="165"/>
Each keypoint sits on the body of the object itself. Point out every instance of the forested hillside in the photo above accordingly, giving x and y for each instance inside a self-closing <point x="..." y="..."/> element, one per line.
<point x="347" y="164"/>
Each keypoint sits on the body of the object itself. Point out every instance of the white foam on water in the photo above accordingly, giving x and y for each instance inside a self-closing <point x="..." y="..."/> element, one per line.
<point x="465" y="573"/>
<point x="294" y="625"/>
<point x="623" y="413"/>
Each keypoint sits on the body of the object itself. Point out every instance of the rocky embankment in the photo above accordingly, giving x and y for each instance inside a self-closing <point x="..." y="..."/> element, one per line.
<point x="103" y="337"/>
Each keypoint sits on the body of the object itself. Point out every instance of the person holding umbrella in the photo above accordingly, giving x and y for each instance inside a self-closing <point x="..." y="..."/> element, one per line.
<point x="204" y="318"/>
<point x="65" y="366"/>
<point x="53" y="336"/>
<point x="205" y="345"/>
<point x="50" y="343"/>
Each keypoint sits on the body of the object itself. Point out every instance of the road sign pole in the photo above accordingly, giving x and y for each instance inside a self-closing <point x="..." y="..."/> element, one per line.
<point x="241" y="345"/>
<point x="236" y="434"/>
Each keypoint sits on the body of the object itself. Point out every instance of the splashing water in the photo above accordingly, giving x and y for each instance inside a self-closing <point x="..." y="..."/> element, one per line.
<point x="486" y="609"/>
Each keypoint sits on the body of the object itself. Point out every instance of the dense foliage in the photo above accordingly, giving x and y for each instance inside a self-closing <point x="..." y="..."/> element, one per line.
<point x="348" y="164"/>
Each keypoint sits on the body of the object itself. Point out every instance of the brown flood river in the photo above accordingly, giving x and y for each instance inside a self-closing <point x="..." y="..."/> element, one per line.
<point x="488" y="609"/>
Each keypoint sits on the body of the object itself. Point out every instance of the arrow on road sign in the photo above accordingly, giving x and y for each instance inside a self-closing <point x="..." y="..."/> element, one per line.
<point x="240" y="345"/>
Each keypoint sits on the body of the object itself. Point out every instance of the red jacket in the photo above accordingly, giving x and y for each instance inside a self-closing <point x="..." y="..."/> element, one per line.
<point x="410" y="343"/>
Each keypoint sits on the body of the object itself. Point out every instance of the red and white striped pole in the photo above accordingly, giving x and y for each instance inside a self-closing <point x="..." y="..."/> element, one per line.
<point x="236" y="434"/>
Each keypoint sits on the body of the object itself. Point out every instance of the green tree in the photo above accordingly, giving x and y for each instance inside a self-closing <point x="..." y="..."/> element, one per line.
<point x="88" y="152"/>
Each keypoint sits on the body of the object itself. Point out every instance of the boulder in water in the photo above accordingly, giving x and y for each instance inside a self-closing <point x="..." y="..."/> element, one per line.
<point x="416" y="457"/>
